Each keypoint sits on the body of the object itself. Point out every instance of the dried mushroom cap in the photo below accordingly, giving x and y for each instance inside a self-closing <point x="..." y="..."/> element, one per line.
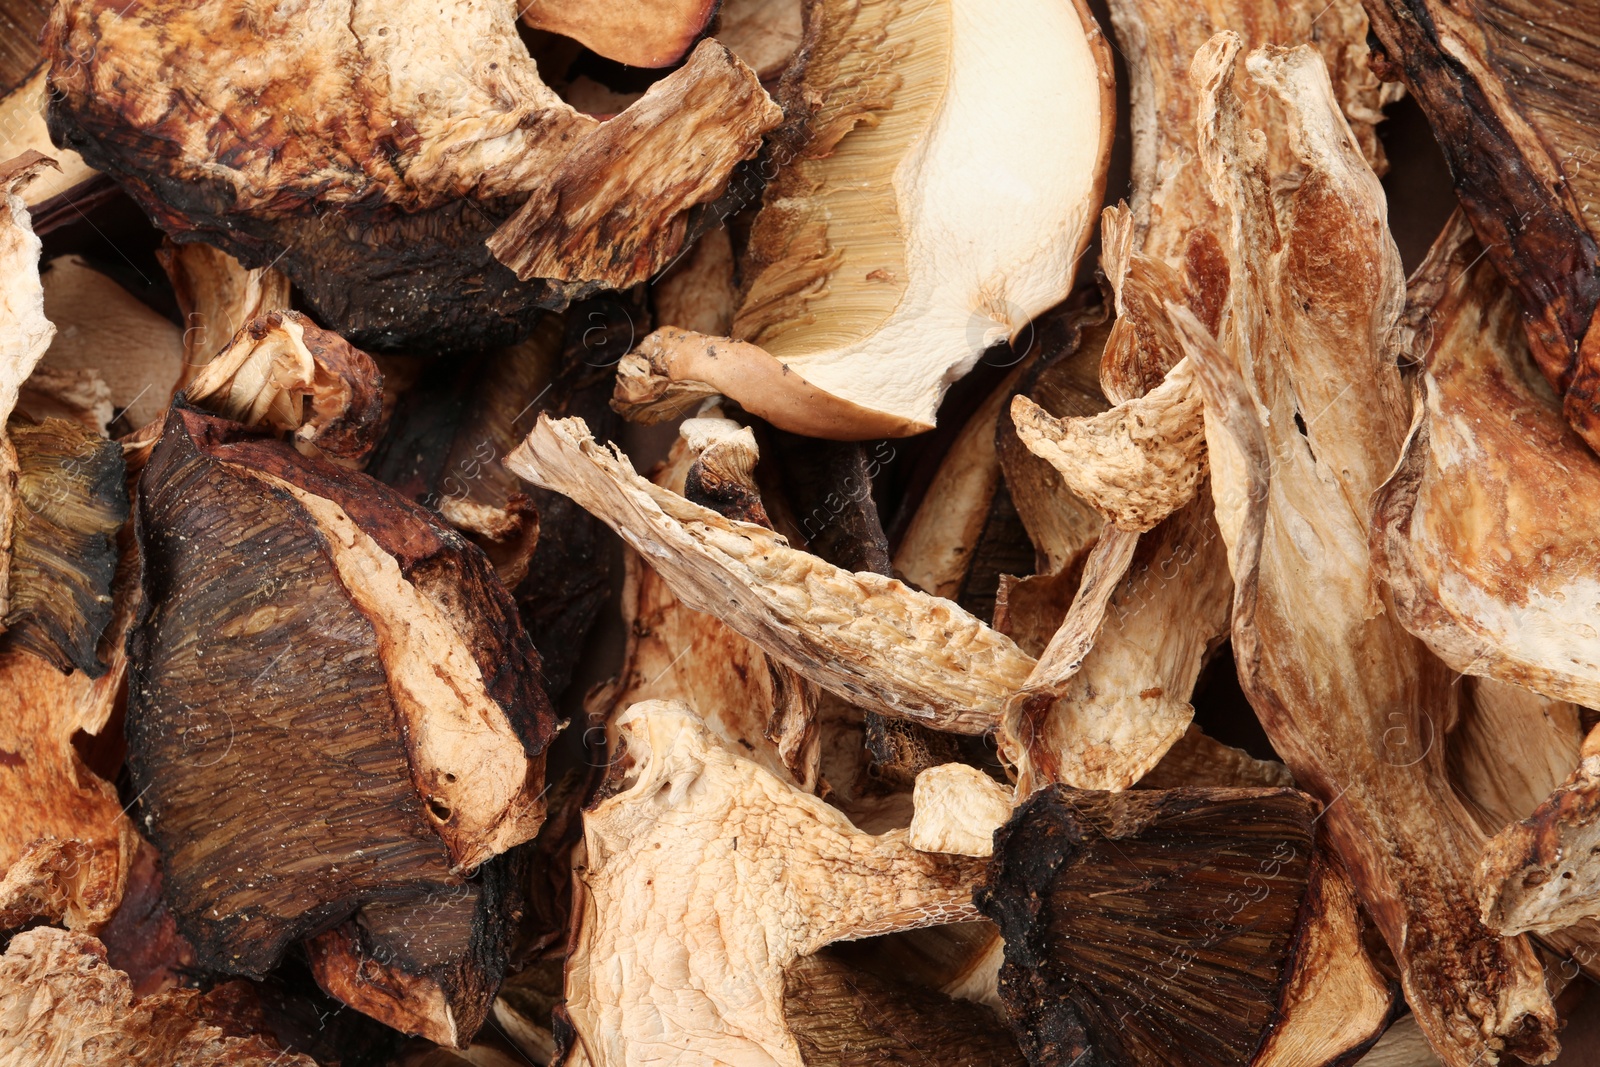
<point x="890" y="252"/>
<point x="67" y="1005"/>
<point x="956" y="809"/>
<point x="870" y="639"/>
<point x="382" y="680"/>
<point x="1346" y="695"/>
<point x="1485" y="530"/>
<point x="640" y="33"/>
<point x="706" y="877"/>
<point x="280" y="373"/>
<point x="370" y="151"/>
<point x="1509" y="90"/>
<point x="1149" y="927"/>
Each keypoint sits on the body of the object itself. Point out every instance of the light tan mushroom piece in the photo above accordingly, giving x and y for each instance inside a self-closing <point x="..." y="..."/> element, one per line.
<point x="1485" y="531"/>
<point x="677" y="653"/>
<point x="1510" y="749"/>
<point x="698" y="293"/>
<point x="914" y="217"/>
<point x="872" y="640"/>
<point x="66" y="1005"/>
<point x="703" y="879"/>
<point x="101" y="327"/>
<point x="22" y="129"/>
<point x="217" y="295"/>
<point x="763" y="33"/>
<point x="640" y="33"/>
<point x="25" y="332"/>
<point x="1330" y="672"/>
<point x="1197" y="759"/>
<point x="956" y="810"/>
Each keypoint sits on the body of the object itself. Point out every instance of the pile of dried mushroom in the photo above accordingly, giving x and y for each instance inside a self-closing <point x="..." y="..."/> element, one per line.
<point x="799" y="532"/>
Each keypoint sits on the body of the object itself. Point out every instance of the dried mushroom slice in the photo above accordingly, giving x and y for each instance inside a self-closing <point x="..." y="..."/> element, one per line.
<point x="640" y="33"/>
<point x="103" y="329"/>
<point x="869" y="639"/>
<point x="1509" y="89"/>
<point x="1345" y="694"/>
<point x="67" y="1005"/>
<point x="956" y="809"/>
<point x="282" y="374"/>
<point x="58" y="194"/>
<point x="753" y="704"/>
<point x="1150" y="927"/>
<point x="1511" y="749"/>
<point x="704" y="879"/>
<point x="1541" y="875"/>
<point x="888" y="254"/>
<point x="370" y="151"/>
<point x="72" y="499"/>
<point x="377" y="677"/>
<point x="1485" y="530"/>
<point x="844" y="1016"/>
<point x="216" y="295"/>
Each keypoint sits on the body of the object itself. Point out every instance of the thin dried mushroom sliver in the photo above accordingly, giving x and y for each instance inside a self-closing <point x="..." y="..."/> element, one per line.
<point x="703" y="879"/>
<point x="384" y="682"/>
<point x="870" y="639"/>
<point x="1510" y="91"/>
<point x="1150" y="927"/>
<point x="1485" y="530"/>
<point x="369" y="151"/>
<point x="67" y="1005"/>
<point x="216" y="296"/>
<point x="1345" y="694"/>
<point x="914" y="218"/>
<point x="639" y="33"/>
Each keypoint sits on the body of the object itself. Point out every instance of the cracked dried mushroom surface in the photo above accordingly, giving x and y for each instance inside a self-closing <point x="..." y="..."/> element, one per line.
<point x="791" y="533"/>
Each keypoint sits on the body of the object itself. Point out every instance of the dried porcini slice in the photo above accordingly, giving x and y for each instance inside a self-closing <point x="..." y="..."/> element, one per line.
<point x="1150" y="927"/>
<point x="378" y="677"/>
<point x="216" y="296"/>
<point x="1485" y="530"/>
<point x="704" y="879"/>
<point x="282" y="374"/>
<point x="1348" y="698"/>
<point x="1508" y="89"/>
<point x="370" y="151"/>
<point x="884" y="261"/>
<point x="640" y="33"/>
<point x="870" y="639"/>
<point x="67" y="1005"/>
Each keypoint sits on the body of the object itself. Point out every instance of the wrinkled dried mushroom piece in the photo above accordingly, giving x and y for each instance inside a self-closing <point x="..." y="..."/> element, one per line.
<point x="1509" y="88"/>
<point x="887" y="256"/>
<point x="869" y="639"/>
<point x="640" y="33"/>
<point x="1345" y="694"/>
<point x="370" y="151"/>
<point x="67" y="1005"/>
<point x="704" y="879"/>
<point x="379" y="678"/>
<point x="282" y="374"/>
<point x="1485" y="530"/>
<point x="1149" y="927"/>
<point x="216" y="296"/>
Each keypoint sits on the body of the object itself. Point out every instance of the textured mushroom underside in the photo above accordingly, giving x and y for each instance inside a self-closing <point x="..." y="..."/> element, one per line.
<point x="923" y="220"/>
<point x="703" y="879"/>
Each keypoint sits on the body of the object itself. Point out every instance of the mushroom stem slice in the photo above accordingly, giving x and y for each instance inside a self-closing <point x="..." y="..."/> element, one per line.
<point x="1349" y="699"/>
<point x="704" y="879"/>
<point x="868" y="638"/>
